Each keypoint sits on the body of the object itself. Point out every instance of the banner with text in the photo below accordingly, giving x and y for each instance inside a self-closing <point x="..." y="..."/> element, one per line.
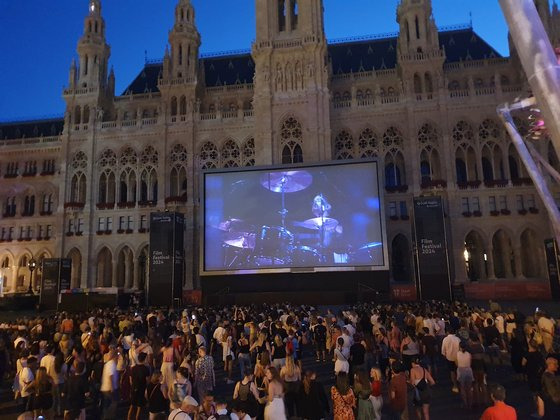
<point x="166" y="258"/>
<point x="431" y="245"/>
<point x="551" y="250"/>
<point x="48" y="299"/>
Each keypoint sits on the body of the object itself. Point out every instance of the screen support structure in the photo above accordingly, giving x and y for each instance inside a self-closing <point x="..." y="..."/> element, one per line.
<point x="543" y="73"/>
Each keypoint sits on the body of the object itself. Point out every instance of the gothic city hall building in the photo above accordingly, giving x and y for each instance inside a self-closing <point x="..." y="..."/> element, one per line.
<point x="422" y="101"/>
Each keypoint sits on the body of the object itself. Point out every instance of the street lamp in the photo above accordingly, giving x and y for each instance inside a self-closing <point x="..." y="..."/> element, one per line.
<point x="32" y="265"/>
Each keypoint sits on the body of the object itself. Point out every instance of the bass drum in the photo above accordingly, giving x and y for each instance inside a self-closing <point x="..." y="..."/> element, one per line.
<point x="274" y="242"/>
<point x="305" y="256"/>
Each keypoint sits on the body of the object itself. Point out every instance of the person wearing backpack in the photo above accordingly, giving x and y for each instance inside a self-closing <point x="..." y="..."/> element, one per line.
<point x="180" y="389"/>
<point x="222" y="412"/>
<point x="422" y="380"/>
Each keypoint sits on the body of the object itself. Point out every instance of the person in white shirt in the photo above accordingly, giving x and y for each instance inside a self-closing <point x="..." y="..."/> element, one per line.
<point x="449" y="349"/>
<point x="222" y="410"/>
<point x="429" y="323"/>
<point x="546" y="328"/>
<point x="188" y="407"/>
<point x="110" y="385"/>
<point x="26" y="378"/>
<point x="217" y="337"/>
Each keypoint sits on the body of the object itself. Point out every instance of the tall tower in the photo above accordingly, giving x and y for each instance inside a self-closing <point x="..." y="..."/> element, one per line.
<point x="93" y="50"/>
<point x="184" y="39"/>
<point x="420" y="58"/>
<point x="291" y="101"/>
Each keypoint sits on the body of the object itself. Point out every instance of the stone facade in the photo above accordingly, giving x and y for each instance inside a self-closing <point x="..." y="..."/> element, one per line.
<point x="422" y="101"/>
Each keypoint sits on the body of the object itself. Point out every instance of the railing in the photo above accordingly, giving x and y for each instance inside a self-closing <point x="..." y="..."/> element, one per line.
<point x="149" y="121"/>
<point x="484" y="91"/>
<point x="459" y="93"/>
<point x="229" y="114"/>
<point x="176" y="81"/>
<point x="31" y="141"/>
<point x="342" y="104"/>
<point x="108" y="124"/>
<point x="128" y="123"/>
<point x="80" y="91"/>
<point x="365" y="102"/>
<point x="248" y="113"/>
<point x="209" y="116"/>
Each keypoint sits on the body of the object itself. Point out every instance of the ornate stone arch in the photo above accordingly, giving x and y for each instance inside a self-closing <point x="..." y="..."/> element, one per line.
<point x="291" y="141"/>
<point x="368" y="143"/>
<point x="78" y="178"/>
<point x="344" y="145"/>
<point x="209" y="156"/>
<point x="230" y="154"/>
<point x="248" y="152"/>
<point x="178" y="159"/>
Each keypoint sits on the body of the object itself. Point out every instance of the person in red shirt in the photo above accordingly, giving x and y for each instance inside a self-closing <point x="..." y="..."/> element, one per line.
<point x="500" y="410"/>
<point x="398" y="400"/>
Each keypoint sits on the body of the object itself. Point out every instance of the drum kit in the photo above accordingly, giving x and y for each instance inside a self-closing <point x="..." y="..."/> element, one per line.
<point x="312" y="242"/>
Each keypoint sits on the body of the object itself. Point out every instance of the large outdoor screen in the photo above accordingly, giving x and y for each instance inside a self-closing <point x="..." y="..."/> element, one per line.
<point x="316" y="218"/>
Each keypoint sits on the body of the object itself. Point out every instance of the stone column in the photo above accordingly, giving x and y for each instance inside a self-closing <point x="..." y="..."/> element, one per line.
<point x="135" y="274"/>
<point x="490" y="264"/>
<point x="506" y="256"/>
<point x="114" y="274"/>
<point x="518" y="265"/>
<point x="127" y="273"/>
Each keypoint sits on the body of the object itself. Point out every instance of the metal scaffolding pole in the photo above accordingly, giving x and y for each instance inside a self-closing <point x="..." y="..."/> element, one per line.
<point x="538" y="60"/>
<point x="543" y="74"/>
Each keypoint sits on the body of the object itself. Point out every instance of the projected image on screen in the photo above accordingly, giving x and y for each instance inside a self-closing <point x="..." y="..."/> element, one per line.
<point x="308" y="217"/>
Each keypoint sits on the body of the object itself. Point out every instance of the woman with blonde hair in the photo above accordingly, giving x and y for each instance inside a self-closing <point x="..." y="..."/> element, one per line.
<point x="291" y="375"/>
<point x="376" y="397"/>
<point x="43" y="389"/>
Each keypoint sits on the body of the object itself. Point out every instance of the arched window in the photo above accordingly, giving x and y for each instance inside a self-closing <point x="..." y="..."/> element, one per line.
<point x="291" y="140"/>
<point x="492" y="162"/>
<point x="407" y="31"/>
<point x="530" y="252"/>
<point x="104" y="268"/>
<point x="417" y="24"/>
<point x="248" y="153"/>
<point x="230" y="154"/>
<point x="281" y="15"/>
<point x="515" y="165"/>
<point x="128" y="163"/>
<point x="417" y="83"/>
<point x="461" y="170"/>
<point x="86" y="65"/>
<point x="476" y="258"/>
<point x="183" y="105"/>
<point x="78" y="166"/>
<point x="178" y="175"/>
<point x="209" y="156"/>
<point x="503" y="257"/>
<point x="344" y="146"/>
<point x="428" y="83"/>
<point x="294" y="13"/>
<point x="173" y="106"/>
<point x="428" y="139"/>
<point x="85" y="117"/>
<point x="368" y="144"/>
<point x="77" y="115"/>
<point x="180" y="55"/>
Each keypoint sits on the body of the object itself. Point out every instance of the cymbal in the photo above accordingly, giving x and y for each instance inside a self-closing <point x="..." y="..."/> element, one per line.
<point x="235" y="225"/>
<point x="288" y="182"/>
<point x="318" y="222"/>
<point x="245" y="241"/>
<point x="370" y="245"/>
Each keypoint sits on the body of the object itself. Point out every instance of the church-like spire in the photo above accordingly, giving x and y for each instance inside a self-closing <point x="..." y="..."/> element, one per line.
<point x="185" y="43"/>
<point x="93" y="49"/>
<point x="418" y="31"/>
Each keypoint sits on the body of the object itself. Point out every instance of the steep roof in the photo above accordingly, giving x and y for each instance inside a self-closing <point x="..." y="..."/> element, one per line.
<point x="32" y="128"/>
<point x="352" y="55"/>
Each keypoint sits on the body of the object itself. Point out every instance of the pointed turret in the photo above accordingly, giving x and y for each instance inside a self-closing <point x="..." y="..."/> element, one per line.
<point x="185" y="43"/>
<point x="93" y="50"/>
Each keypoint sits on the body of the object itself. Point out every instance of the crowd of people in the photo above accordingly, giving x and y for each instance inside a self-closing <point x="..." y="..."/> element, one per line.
<point x="384" y="361"/>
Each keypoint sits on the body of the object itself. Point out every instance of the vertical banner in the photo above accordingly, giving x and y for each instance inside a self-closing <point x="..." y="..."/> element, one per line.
<point x="166" y="258"/>
<point x="551" y="250"/>
<point x="65" y="274"/>
<point x="48" y="299"/>
<point x="431" y="245"/>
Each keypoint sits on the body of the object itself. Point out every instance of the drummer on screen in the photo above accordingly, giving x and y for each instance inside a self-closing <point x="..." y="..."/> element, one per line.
<point x="320" y="207"/>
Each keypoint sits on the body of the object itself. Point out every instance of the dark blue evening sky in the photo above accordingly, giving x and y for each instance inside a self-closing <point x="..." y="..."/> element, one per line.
<point x="39" y="37"/>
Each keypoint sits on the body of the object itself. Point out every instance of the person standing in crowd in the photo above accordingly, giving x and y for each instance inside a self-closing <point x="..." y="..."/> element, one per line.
<point x="43" y="393"/>
<point x="187" y="410"/>
<point x="500" y="410"/>
<point x="204" y="377"/>
<point x="320" y="340"/>
<point x="228" y="353"/>
<point x="550" y="393"/>
<point x="341" y="355"/>
<point x="168" y="360"/>
<point x="180" y="388"/>
<point x="344" y="401"/>
<point x="156" y="394"/>
<point x="398" y="398"/>
<point x="449" y="349"/>
<point x="139" y="376"/>
<point x="409" y="348"/>
<point x="465" y="376"/>
<point x="362" y="391"/>
<point x="546" y="328"/>
<point x="243" y="355"/>
<point x="313" y="400"/>
<point x="274" y="409"/>
<point x="478" y="366"/>
<point x="376" y="392"/>
<point x="357" y="356"/>
<point x="278" y="352"/>
<point x="422" y="381"/>
<point x="26" y="377"/>
<point x="74" y="393"/>
<point x="291" y="376"/>
<point x="246" y="393"/>
<point x="110" y="385"/>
